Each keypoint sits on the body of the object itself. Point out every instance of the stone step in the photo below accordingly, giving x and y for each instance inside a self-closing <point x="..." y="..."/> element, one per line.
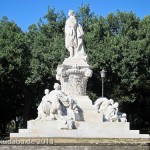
<point x="80" y="125"/>
<point x="23" y="130"/>
<point x="104" y="125"/>
<point x="106" y="132"/>
<point x="81" y="134"/>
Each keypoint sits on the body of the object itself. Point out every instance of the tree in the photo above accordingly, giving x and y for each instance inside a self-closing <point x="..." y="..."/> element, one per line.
<point x="13" y="69"/>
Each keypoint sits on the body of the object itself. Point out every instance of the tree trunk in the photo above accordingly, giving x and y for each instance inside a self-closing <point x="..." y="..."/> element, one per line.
<point x="3" y="126"/>
<point x="27" y="107"/>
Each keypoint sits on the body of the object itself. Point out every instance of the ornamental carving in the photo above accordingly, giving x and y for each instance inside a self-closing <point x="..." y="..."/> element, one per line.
<point x="73" y="79"/>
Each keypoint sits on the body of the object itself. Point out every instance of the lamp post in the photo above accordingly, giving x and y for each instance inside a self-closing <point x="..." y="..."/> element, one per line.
<point x="103" y="74"/>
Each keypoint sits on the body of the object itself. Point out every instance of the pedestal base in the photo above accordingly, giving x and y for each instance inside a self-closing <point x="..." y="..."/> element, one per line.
<point x="49" y="129"/>
<point x="92" y="126"/>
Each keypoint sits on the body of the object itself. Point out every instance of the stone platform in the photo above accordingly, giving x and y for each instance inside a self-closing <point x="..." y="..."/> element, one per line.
<point x="91" y="127"/>
<point x="84" y="130"/>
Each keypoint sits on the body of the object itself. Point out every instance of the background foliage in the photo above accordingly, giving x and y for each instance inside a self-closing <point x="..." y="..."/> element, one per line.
<point x="119" y="43"/>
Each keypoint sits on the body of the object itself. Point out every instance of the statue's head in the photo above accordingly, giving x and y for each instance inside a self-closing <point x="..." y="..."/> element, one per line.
<point x="124" y="115"/>
<point x="116" y="104"/>
<point x="57" y="86"/>
<point x="71" y="13"/>
<point x="111" y="101"/>
<point x="46" y="91"/>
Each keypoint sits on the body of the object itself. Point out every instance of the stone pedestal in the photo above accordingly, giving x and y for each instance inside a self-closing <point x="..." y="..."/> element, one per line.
<point x="73" y="75"/>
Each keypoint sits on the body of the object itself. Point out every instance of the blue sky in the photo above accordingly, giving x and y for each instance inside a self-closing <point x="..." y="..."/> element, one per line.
<point x="27" y="12"/>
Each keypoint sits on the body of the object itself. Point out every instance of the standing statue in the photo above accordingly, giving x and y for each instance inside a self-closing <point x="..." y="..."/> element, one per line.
<point x="74" y="37"/>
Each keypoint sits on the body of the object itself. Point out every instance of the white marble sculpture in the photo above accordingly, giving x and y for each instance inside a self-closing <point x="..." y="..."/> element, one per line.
<point x="44" y="107"/>
<point x="109" y="109"/>
<point x="57" y="105"/>
<point x="74" y="37"/>
<point x="73" y="80"/>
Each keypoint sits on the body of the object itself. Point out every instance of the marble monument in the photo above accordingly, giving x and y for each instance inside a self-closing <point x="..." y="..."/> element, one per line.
<point x="67" y="111"/>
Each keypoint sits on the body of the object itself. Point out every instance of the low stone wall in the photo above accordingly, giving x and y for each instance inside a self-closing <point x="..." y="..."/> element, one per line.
<point x="75" y="147"/>
<point x="74" y="144"/>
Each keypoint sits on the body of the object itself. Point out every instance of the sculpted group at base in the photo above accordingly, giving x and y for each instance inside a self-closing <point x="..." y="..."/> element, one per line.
<point x="57" y="105"/>
<point x="67" y="111"/>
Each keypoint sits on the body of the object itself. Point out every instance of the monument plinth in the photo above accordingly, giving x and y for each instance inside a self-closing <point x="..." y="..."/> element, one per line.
<point x="73" y="76"/>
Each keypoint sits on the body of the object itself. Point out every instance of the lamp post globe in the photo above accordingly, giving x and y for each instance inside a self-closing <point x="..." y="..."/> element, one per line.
<point x="103" y="74"/>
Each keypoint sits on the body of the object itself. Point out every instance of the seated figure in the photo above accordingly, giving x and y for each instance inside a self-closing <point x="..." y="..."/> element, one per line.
<point x="57" y="105"/>
<point x="102" y="103"/>
<point x="51" y="104"/>
<point x="109" y="109"/>
<point x="44" y="107"/>
<point x="111" y="113"/>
